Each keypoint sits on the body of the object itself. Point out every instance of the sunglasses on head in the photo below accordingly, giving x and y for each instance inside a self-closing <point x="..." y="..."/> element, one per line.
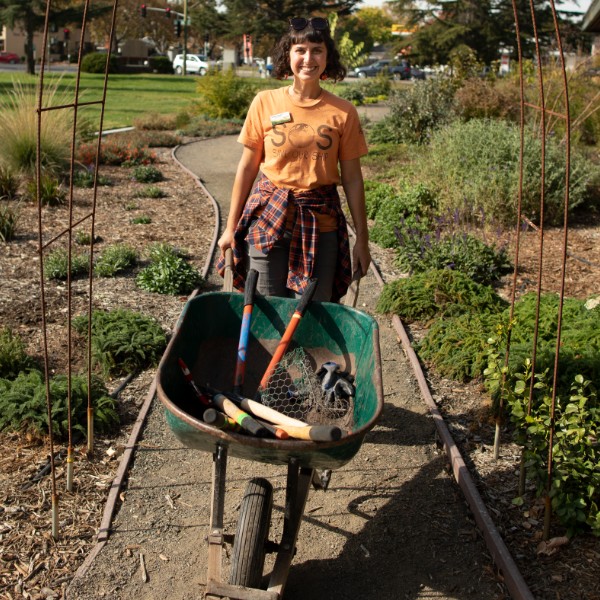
<point x="317" y="23"/>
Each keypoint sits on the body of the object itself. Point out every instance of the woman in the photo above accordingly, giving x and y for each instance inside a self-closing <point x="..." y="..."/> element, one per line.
<point x="305" y="141"/>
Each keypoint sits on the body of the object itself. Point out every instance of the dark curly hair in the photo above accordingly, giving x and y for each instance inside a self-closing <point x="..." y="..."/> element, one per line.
<point x="334" y="70"/>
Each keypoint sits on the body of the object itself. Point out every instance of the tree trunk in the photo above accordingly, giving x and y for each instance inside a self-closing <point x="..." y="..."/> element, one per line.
<point x="30" y="30"/>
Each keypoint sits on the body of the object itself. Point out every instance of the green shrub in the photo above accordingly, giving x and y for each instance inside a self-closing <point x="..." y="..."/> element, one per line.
<point x="141" y="220"/>
<point x="155" y="122"/>
<point x="376" y="86"/>
<point x="410" y="208"/>
<point x="439" y="294"/>
<point x="52" y="193"/>
<point x="23" y="405"/>
<point x="9" y="218"/>
<point x="458" y="251"/>
<point x="352" y="93"/>
<point x="224" y="95"/>
<point x="19" y="129"/>
<point x="115" y="259"/>
<point x="123" y="341"/>
<point x="9" y="184"/>
<point x="161" y="64"/>
<point x="147" y="174"/>
<point x="575" y="477"/>
<point x="416" y="112"/>
<point x="56" y="264"/>
<point x="95" y="62"/>
<point x="477" y="164"/>
<point x="13" y="357"/>
<point x="83" y="238"/>
<point x="376" y="194"/>
<point x="85" y="179"/>
<point x="168" y="273"/>
<point x="151" y="191"/>
<point x="201" y="126"/>
<point x="457" y="347"/>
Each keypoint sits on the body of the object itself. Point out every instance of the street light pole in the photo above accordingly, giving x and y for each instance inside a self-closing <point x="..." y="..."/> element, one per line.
<point x="185" y="17"/>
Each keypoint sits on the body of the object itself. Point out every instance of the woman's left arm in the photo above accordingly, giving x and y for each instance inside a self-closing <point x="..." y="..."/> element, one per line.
<point x="354" y="188"/>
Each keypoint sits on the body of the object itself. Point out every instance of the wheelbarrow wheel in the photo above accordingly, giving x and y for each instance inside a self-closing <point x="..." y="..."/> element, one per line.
<point x="248" y="556"/>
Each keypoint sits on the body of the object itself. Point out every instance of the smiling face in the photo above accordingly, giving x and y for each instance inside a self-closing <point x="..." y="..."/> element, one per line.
<point x="308" y="61"/>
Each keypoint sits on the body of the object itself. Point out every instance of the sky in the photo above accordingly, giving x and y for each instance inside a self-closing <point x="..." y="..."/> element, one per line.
<point x="580" y="5"/>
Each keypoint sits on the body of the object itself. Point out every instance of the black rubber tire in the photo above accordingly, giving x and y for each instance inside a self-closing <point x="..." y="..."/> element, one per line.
<point x="248" y="555"/>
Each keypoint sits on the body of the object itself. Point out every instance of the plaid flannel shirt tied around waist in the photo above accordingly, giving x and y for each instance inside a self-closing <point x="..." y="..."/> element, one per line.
<point x="264" y="221"/>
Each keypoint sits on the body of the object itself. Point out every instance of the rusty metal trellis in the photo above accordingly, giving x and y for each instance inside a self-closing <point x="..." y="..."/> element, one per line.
<point x="543" y="111"/>
<point x="68" y="231"/>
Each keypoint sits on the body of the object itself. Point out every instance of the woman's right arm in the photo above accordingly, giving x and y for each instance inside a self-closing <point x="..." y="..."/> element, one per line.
<point x="244" y="180"/>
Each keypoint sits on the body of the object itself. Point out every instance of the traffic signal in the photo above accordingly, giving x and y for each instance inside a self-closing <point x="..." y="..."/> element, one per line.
<point x="143" y="10"/>
<point x="67" y="34"/>
<point x="177" y="28"/>
<point x="168" y="12"/>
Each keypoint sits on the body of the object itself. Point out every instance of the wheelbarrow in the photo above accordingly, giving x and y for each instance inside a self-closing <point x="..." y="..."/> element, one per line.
<point x="206" y="338"/>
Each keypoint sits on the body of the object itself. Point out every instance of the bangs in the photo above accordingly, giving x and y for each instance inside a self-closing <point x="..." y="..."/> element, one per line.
<point x="308" y="34"/>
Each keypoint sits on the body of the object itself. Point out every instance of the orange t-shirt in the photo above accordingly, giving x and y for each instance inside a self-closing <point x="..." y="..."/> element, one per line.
<point x="303" y="151"/>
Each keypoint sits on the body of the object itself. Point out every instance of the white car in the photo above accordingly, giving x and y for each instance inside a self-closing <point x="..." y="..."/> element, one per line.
<point x="194" y="63"/>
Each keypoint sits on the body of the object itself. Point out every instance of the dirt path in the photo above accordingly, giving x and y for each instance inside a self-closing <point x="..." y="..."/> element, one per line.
<point x="392" y="525"/>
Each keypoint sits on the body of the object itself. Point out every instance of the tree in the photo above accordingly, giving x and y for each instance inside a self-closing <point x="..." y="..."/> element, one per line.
<point x="30" y="15"/>
<point x="485" y="26"/>
<point x="370" y="26"/>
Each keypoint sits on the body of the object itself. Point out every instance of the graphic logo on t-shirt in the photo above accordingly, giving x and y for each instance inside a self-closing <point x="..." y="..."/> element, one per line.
<point x="301" y="135"/>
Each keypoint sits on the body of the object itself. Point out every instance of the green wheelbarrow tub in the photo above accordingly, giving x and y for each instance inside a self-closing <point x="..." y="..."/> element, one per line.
<point x="206" y="338"/>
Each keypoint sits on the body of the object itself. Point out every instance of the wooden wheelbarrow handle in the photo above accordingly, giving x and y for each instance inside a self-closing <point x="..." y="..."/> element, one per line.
<point x="228" y="276"/>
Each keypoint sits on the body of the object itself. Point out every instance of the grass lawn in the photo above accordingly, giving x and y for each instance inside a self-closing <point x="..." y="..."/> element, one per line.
<point x="127" y="96"/>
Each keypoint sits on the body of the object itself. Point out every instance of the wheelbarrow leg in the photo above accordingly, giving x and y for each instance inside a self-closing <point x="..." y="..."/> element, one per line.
<point x="297" y="488"/>
<point x="215" y="537"/>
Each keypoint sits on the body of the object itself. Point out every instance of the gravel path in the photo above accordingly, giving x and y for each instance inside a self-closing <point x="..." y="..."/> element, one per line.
<point x="392" y="525"/>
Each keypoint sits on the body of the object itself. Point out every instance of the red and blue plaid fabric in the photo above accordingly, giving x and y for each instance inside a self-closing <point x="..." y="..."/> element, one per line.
<point x="264" y="221"/>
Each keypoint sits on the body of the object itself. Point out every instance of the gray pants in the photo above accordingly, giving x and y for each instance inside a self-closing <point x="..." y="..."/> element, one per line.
<point x="273" y="267"/>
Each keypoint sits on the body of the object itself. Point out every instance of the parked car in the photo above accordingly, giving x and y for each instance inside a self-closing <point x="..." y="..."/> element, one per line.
<point x="398" y="70"/>
<point x="194" y="63"/>
<point x="10" y="58"/>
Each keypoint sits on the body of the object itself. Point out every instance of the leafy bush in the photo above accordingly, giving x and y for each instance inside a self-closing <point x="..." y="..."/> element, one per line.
<point x="224" y="95"/>
<point x="123" y="341"/>
<point x="168" y="273"/>
<point x="477" y="163"/>
<point x="376" y="194"/>
<point x="23" y="405"/>
<point x="416" y="112"/>
<point x="151" y="191"/>
<point x="458" y="251"/>
<point x="457" y="347"/>
<point x="115" y="259"/>
<point x="376" y="86"/>
<point x="147" y="174"/>
<point x="439" y="294"/>
<point x="410" y="208"/>
<point x="352" y="93"/>
<point x="85" y="179"/>
<point x="201" y="126"/>
<point x="95" y="62"/>
<point x="161" y="64"/>
<point x="479" y="98"/>
<point x="52" y="193"/>
<point x="19" y="129"/>
<point x="9" y="184"/>
<point x="141" y="220"/>
<point x="116" y="151"/>
<point x="56" y="264"/>
<point x="9" y="218"/>
<point x="155" y="122"/>
<point x="575" y="478"/>
<point x="13" y="357"/>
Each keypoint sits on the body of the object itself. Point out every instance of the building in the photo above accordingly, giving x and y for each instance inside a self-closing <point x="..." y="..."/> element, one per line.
<point x="63" y="42"/>
<point x="591" y="24"/>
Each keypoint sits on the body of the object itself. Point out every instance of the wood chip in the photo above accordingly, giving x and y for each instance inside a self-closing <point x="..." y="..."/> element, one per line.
<point x="143" y="567"/>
